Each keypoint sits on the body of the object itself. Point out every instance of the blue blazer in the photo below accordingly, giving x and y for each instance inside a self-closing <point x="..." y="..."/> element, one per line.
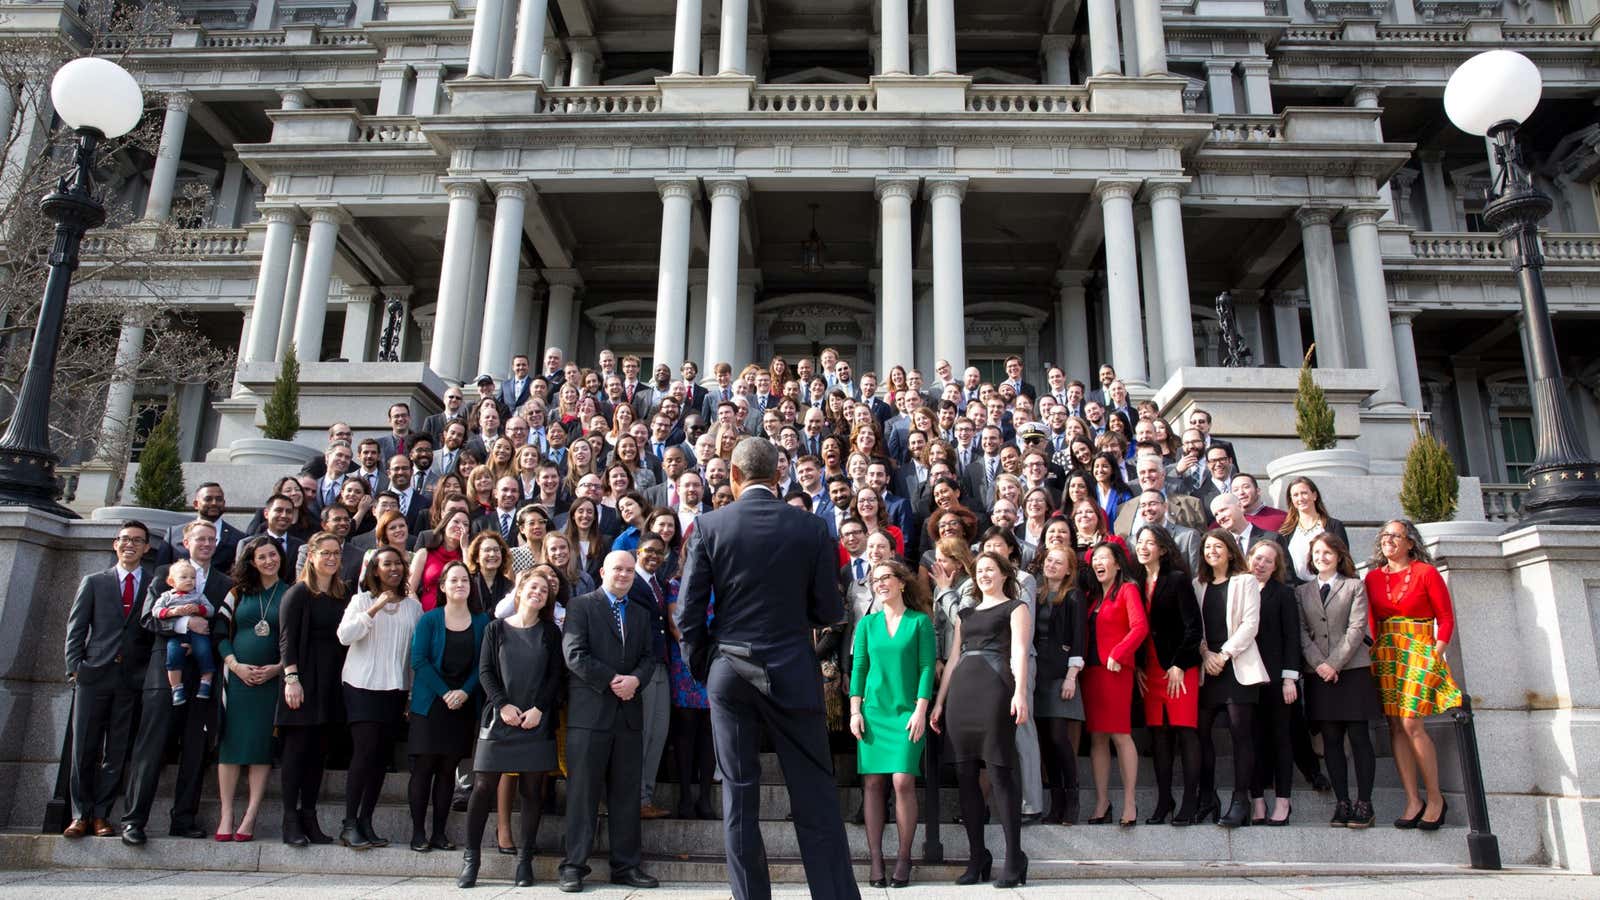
<point x="427" y="652"/>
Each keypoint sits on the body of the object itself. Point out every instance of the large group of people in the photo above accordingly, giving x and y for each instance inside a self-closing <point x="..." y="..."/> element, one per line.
<point x="520" y="590"/>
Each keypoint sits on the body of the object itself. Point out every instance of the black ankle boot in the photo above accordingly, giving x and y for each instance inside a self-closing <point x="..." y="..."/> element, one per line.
<point x="524" y="875"/>
<point x="1238" y="814"/>
<point x="293" y="834"/>
<point x="313" y="831"/>
<point x="372" y="836"/>
<point x="469" y="868"/>
<point x="350" y="835"/>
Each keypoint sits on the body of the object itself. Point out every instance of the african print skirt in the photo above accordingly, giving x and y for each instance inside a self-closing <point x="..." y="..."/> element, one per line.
<point x="1413" y="677"/>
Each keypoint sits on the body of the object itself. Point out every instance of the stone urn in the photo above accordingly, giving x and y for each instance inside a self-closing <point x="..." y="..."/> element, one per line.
<point x="268" y="452"/>
<point x="1319" y="464"/>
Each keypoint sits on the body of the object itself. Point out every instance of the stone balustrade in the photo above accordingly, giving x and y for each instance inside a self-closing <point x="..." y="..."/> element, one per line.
<point x="813" y="98"/>
<point x="389" y="130"/>
<point x="600" y="101"/>
<point x="1559" y="249"/>
<point x="1247" y="130"/>
<point x="202" y="242"/>
<point x="1026" y="99"/>
<point x="1503" y="502"/>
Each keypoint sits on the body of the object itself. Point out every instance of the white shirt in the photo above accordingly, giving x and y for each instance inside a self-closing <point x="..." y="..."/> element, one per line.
<point x="380" y="646"/>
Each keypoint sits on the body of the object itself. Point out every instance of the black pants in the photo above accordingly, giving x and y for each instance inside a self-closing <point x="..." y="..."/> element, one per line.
<point x="1360" y="735"/>
<point x="484" y="785"/>
<point x="694" y="753"/>
<point x="1060" y="757"/>
<point x="371" y="748"/>
<point x="1274" y="747"/>
<point x="194" y="725"/>
<point x="608" y="762"/>
<point x="433" y="776"/>
<point x="1168" y="742"/>
<point x="1007" y="790"/>
<point x="103" y="714"/>
<point x="1241" y="729"/>
<point x="303" y="755"/>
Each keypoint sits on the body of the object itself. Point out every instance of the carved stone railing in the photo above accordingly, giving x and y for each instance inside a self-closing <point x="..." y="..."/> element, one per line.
<point x="813" y="98"/>
<point x="389" y="130"/>
<point x="242" y="40"/>
<point x="1477" y="31"/>
<point x="1009" y="99"/>
<point x="1503" y="502"/>
<point x="207" y="242"/>
<point x="1577" y="248"/>
<point x="1559" y="249"/>
<point x="1547" y="34"/>
<point x="600" y="101"/>
<point x="1247" y="130"/>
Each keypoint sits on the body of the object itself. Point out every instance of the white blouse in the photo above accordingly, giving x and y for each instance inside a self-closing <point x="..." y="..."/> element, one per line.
<point x="380" y="646"/>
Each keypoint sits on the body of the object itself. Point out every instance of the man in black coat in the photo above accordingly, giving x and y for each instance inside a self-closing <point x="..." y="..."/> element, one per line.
<point x="209" y="504"/>
<point x="606" y="641"/>
<point x="194" y="723"/>
<point x="772" y="567"/>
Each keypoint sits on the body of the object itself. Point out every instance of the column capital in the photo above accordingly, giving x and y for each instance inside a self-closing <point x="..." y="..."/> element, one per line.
<point x="562" y="277"/>
<point x="397" y="291"/>
<point x="1312" y="216"/>
<point x="1363" y="215"/>
<point x="179" y="101"/>
<point x="360" y="293"/>
<point x="727" y="186"/>
<point x="332" y="213"/>
<point x="294" y="98"/>
<point x="390" y="71"/>
<point x="947" y="187"/>
<point x="1220" y="66"/>
<point x="899" y="187"/>
<point x="1256" y="66"/>
<point x="1164" y="188"/>
<point x="1114" y="189"/>
<point x="684" y="188"/>
<point x="1402" y="316"/>
<point x="1366" y="95"/>
<point x="280" y="215"/>
<point x="1288" y="299"/>
<point x="511" y="189"/>
<point x="462" y="188"/>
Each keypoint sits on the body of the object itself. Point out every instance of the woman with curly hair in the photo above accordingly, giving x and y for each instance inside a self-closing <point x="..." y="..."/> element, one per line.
<point x="488" y="560"/>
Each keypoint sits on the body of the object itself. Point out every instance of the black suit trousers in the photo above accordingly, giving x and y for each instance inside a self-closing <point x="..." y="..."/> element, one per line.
<point x="738" y="714"/>
<point x="160" y="722"/>
<point x="608" y="760"/>
<point x="103" y="713"/>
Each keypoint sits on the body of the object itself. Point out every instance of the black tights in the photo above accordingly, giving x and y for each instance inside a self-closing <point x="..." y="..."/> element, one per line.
<point x="1274" y="748"/>
<point x="1241" y="729"/>
<point x="1360" y="735"/>
<point x="530" y="785"/>
<point x="1007" y="801"/>
<point x="1166" y="742"/>
<point x="433" y="775"/>
<point x="303" y="754"/>
<point x="874" y="787"/>
<point x="1060" y="754"/>
<point x="369" y="758"/>
<point x="695" y="754"/>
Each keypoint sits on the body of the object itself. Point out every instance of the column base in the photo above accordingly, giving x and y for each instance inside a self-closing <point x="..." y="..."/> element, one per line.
<point x="99" y="484"/>
<point x="921" y="93"/>
<point x="519" y="96"/>
<point x="706" y="93"/>
<point x="1156" y="95"/>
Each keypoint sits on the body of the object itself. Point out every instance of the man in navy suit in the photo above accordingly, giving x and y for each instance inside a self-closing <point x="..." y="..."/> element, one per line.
<point x="773" y="569"/>
<point x="210" y="504"/>
<point x="514" y="390"/>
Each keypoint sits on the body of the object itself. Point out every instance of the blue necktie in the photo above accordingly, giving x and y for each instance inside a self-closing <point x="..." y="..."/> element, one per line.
<point x="861" y="570"/>
<point x="616" y="612"/>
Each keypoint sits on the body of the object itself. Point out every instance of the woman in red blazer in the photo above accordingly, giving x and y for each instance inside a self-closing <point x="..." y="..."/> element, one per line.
<point x="1117" y="626"/>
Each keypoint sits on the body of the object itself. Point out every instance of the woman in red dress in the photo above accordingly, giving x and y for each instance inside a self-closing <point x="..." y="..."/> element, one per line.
<point x="1117" y="626"/>
<point x="1170" y="676"/>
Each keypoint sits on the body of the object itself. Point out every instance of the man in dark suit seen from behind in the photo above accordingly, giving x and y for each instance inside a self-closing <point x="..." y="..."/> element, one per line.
<point x="209" y="504"/>
<point x="772" y="567"/>
<point x="195" y="722"/>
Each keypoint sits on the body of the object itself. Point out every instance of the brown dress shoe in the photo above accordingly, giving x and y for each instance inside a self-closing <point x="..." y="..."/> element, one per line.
<point x="652" y="811"/>
<point x="77" y="829"/>
<point x="102" y="828"/>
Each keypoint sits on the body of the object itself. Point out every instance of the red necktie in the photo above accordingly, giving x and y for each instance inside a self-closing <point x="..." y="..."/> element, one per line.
<point x="127" y="594"/>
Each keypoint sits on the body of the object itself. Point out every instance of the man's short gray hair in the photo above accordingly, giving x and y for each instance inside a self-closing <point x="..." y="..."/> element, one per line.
<point x="756" y="459"/>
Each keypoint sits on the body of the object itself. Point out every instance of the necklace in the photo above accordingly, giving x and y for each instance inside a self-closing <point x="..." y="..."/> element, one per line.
<point x="263" y="627"/>
<point x="1396" y="596"/>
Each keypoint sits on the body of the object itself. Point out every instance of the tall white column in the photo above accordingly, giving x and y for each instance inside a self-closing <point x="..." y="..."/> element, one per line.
<point x="477" y="290"/>
<point x="695" y="347"/>
<point x="1104" y="45"/>
<point x="735" y="37"/>
<point x="949" y="303"/>
<point x="313" y="314"/>
<point x="744" y="319"/>
<point x="119" y="394"/>
<point x="1057" y="52"/>
<point x="229" y="195"/>
<point x="483" y="54"/>
<point x="1122" y="281"/>
<point x="1322" y="286"/>
<point x="894" y="216"/>
<point x="1172" y="276"/>
<point x="1286" y="329"/>
<point x="392" y="77"/>
<point x="722" y="266"/>
<point x="1072" y="325"/>
<point x="8" y="109"/>
<point x="358" y="309"/>
<point x="1152" y="37"/>
<point x="528" y="50"/>
<point x="686" y="40"/>
<point x="246" y="321"/>
<point x="560" y="323"/>
<point x="500" y="301"/>
<point x="549" y="63"/>
<point x="1150" y="294"/>
<point x="529" y="310"/>
<point x="922" y="312"/>
<point x="942" y="37"/>
<point x="1372" y="302"/>
<point x="1405" y="355"/>
<point x="158" y="206"/>
<point x="291" y="291"/>
<point x="267" y="312"/>
<point x="455" y="275"/>
<point x="894" y="40"/>
<point x="672" y="284"/>
<point x="585" y="61"/>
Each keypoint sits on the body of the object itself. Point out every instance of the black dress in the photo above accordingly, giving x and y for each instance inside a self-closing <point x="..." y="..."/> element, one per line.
<point x="523" y="667"/>
<point x="308" y="626"/>
<point x="446" y="731"/>
<point x="1217" y="690"/>
<point x="978" y="703"/>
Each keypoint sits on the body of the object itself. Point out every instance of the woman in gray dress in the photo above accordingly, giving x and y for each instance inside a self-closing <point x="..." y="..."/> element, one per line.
<point x="521" y="672"/>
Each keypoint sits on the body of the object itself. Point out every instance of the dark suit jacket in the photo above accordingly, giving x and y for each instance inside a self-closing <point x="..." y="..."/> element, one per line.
<point x="1278" y="631"/>
<point x="1181" y="508"/>
<point x="417" y="513"/>
<point x="217" y="586"/>
<point x="102" y="644"/>
<point x="595" y="654"/>
<point x="228" y="538"/>
<point x="490" y="521"/>
<point x="434" y="425"/>
<point x="387" y="448"/>
<point x="509" y="394"/>
<point x="773" y="569"/>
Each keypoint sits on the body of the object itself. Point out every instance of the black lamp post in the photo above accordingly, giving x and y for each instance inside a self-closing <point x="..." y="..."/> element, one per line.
<point x="1491" y="94"/>
<point x="98" y="99"/>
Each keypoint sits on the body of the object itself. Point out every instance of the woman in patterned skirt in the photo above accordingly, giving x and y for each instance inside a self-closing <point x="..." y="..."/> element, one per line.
<point x="1413" y="619"/>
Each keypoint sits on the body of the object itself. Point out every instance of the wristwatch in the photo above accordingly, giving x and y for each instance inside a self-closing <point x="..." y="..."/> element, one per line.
<point x="292" y="678"/>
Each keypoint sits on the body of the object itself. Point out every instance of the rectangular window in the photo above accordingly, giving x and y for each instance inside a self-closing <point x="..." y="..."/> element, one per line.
<point x="1516" y="441"/>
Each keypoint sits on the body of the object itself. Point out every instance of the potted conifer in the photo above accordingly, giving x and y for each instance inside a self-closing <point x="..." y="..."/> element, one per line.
<point x="276" y="446"/>
<point x="159" y="497"/>
<point x="1314" y="423"/>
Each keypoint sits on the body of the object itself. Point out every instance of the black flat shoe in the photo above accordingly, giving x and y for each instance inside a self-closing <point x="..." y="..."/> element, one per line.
<point x="1341" y="815"/>
<point x="1362" y="815"/>
<point x="419" y="843"/>
<point x="442" y="842"/>
<point x="635" y="877"/>
<point x="350" y="836"/>
<point x="1434" y="824"/>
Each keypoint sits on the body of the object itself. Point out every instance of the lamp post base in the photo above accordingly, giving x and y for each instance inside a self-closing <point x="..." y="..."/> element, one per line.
<point x="28" y="478"/>
<point x="1565" y="493"/>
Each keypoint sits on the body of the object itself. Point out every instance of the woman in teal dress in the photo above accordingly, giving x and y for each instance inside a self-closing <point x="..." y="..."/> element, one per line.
<point x="249" y="652"/>
<point x="891" y="686"/>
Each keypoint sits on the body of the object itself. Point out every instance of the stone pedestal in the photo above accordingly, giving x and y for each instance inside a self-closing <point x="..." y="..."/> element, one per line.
<point x="357" y="393"/>
<point x="921" y="93"/>
<point x="706" y="93"/>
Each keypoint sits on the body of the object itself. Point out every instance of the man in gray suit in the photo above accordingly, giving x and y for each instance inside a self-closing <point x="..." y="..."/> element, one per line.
<point x="106" y="656"/>
<point x="1152" y="510"/>
<point x="1181" y="507"/>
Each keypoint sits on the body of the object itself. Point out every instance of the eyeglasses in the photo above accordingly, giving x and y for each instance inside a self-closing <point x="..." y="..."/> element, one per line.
<point x="131" y="540"/>
<point x="887" y="576"/>
<point x="1389" y="537"/>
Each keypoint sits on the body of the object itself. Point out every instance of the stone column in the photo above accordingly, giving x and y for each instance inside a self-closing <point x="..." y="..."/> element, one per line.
<point x="267" y="311"/>
<point x="1286" y="329"/>
<point x="1104" y="46"/>
<point x="358" y="308"/>
<point x="735" y="37"/>
<point x="894" y="50"/>
<point x="113" y="442"/>
<point x="942" y="37"/>
<point x="562" y="320"/>
<point x="1072" y="324"/>
<point x="695" y="346"/>
<point x="246" y="322"/>
<point x="722" y="267"/>
<point x="266" y="15"/>
<point x="1372" y="301"/>
<point x="293" y="99"/>
<point x="1441" y="210"/>
<point x="8" y="109"/>
<point x="483" y="54"/>
<point x="686" y="41"/>
<point x="530" y="309"/>
<point x="949" y="305"/>
<point x="455" y="275"/>
<point x="744" y="318"/>
<point x="1322" y="285"/>
<point x="677" y="203"/>
<point x="585" y="55"/>
<point x="1470" y="410"/>
<point x="922" y="314"/>
<point x="528" y="50"/>
<point x="392" y="87"/>
<point x="1128" y="37"/>
<point x="499" y="338"/>
<point x="313" y="313"/>
<point x="477" y="290"/>
<point x="1152" y="37"/>
<point x="291" y="291"/>
<point x="1057" y="52"/>
<point x="1219" y="84"/>
<point x="1172" y="276"/>
<point x="227" y="210"/>
<point x="549" y="62"/>
<point x="158" y="206"/>
<point x="425" y="91"/>
<point x="1150" y="294"/>
<point x="1405" y="355"/>
<point x="1122" y="281"/>
<point x="894" y="216"/>
<point x="1257" y="86"/>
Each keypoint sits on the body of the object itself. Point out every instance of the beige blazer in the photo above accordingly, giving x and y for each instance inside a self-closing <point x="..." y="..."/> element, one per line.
<point x="1336" y="635"/>
<point x="1244" y="617"/>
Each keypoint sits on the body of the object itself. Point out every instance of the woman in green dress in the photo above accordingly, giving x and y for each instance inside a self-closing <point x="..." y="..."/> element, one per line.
<point x="249" y="652"/>
<point x="891" y="686"/>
